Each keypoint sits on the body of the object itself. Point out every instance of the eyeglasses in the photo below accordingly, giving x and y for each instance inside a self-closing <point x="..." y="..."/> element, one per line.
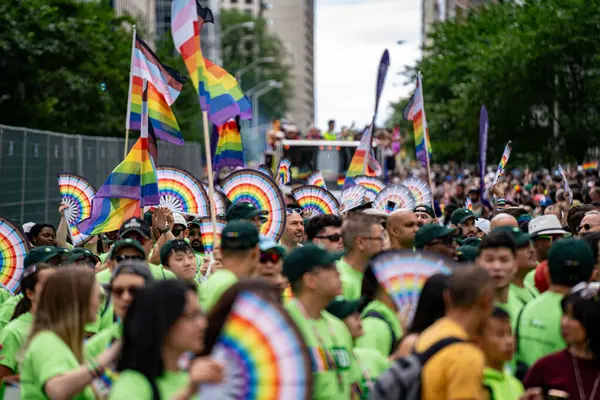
<point x="272" y="257"/>
<point x="119" y="291"/>
<point x="124" y="257"/>
<point x="294" y="210"/>
<point x="586" y="290"/>
<point x="587" y="227"/>
<point x="332" y="238"/>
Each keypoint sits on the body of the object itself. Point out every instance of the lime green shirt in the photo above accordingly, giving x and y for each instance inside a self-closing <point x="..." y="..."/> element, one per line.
<point x="329" y="135"/>
<point x="539" y="332"/>
<point x="47" y="356"/>
<point x="7" y="309"/>
<point x="501" y="385"/>
<point x="12" y="338"/>
<point x="529" y="280"/>
<point x="212" y="289"/>
<point x="513" y="307"/>
<point x="377" y="334"/>
<point x="370" y="364"/>
<point x="5" y="294"/>
<point x="102" y="340"/>
<point x="330" y="348"/>
<point x="351" y="280"/>
<point x="158" y="273"/>
<point x="133" y="385"/>
<point x="523" y="294"/>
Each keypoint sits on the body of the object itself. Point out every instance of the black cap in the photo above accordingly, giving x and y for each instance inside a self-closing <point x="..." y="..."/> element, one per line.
<point x="305" y="259"/>
<point x="243" y="210"/>
<point x="135" y="225"/>
<point x="239" y="235"/>
<point x="343" y="308"/>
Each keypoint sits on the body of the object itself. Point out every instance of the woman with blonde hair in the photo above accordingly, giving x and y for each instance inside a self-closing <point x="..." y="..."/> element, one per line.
<point x="53" y="365"/>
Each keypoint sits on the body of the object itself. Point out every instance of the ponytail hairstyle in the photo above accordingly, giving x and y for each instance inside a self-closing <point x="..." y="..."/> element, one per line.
<point x="28" y="282"/>
<point x="369" y="288"/>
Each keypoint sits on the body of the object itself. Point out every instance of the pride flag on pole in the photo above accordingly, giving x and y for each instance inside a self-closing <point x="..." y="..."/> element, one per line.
<point x="229" y="151"/>
<point x="415" y="112"/>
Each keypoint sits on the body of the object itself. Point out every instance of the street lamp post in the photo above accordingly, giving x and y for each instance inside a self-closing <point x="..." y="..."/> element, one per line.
<point x="247" y="25"/>
<point x="256" y="92"/>
<point x="242" y="71"/>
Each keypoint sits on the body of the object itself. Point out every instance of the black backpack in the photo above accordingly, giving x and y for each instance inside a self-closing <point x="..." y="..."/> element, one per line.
<point x="402" y="381"/>
<point x="395" y="340"/>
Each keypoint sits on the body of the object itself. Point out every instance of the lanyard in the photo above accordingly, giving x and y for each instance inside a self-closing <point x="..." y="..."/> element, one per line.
<point x="329" y="358"/>
<point x="367" y="378"/>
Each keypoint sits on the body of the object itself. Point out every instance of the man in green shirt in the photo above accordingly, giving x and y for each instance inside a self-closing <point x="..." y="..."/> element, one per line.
<point x="239" y="255"/>
<point x="325" y="230"/>
<point x="195" y="239"/>
<point x="363" y="237"/>
<point x="178" y="257"/>
<point x="570" y="261"/>
<point x="436" y="239"/>
<point x="315" y="282"/>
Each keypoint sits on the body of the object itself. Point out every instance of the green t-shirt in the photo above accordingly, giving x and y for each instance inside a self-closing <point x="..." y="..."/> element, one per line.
<point x="376" y="332"/>
<point x="539" y="332"/>
<point x="47" y="356"/>
<point x="104" y="316"/>
<point x="212" y="289"/>
<point x="102" y="340"/>
<point x="370" y="364"/>
<point x="158" y="273"/>
<point x="133" y="385"/>
<point x="351" y="280"/>
<point x="501" y="385"/>
<point x="513" y="307"/>
<point x="523" y="294"/>
<point x="529" y="280"/>
<point x="8" y="308"/>
<point x="5" y="294"/>
<point x="330" y="348"/>
<point x="12" y="338"/>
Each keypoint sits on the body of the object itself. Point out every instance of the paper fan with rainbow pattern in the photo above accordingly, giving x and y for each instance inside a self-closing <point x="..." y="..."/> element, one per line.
<point x="316" y="179"/>
<point x="265" y="170"/>
<point x="394" y="197"/>
<point x="284" y="172"/>
<point x="206" y="231"/>
<point x="420" y="189"/>
<point x="373" y="185"/>
<point x="257" y="188"/>
<point x="181" y="193"/>
<point x="13" y="249"/>
<point x="220" y="199"/>
<point x="353" y="197"/>
<point x="316" y="200"/>
<point x="402" y="273"/>
<point x="263" y="354"/>
<point x="77" y="193"/>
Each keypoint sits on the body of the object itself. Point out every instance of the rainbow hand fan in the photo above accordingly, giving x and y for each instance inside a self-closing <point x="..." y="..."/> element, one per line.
<point x="316" y="179"/>
<point x="420" y="189"/>
<point x="373" y="185"/>
<point x="180" y="192"/>
<point x="353" y="197"/>
<point x="265" y="170"/>
<point x="263" y="353"/>
<point x="284" y="172"/>
<point x="257" y="188"/>
<point x="316" y="200"/>
<point x="77" y="194"/>
<point x="206" y="230"/>
<point x="402" y="273"/>
<point x="220" y="199"/>
<point x="13" y="249"/>
<point x="394" y="197"/>
<point x="468" y="204"/>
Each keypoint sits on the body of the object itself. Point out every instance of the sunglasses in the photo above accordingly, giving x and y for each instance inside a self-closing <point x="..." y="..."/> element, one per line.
<point x="176" y="232"/>
<point x="272" y="257"/>
<point x="294" y="210"/>
<point x="124" y="257"/>
<point x="332" y="238"/>
<point x="119" y="291"/>
<point x="587" y="227"/>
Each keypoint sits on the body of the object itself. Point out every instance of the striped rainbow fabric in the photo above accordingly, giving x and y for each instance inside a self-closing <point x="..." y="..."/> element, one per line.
<point x="363" y="162"/>
<point x="229" y="150"/>
<point x="415" y="112"/>
<point x="219" y="93"/>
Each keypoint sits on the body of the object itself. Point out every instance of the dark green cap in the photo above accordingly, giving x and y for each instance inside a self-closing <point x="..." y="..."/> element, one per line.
<point x="40" y="254"/>
<point x="239" y="235"/>
<point x="243" y="210"/>
<point x="430" y="232"/>
<point x="124" y="243"/>
<point x="519" y="236"/>
<point x="570" y="261"/>
<point x="172" y="245"/>
<point x="305" y="259"/>
<point x="472" y="241"/>
<point x="424" y="208"/>
<point x="79" y="252"/>
<point x="343" y="308"/>
<point x="466" y="253"/>
<point x="461" y="215"/>
<point x="196" y="222"/>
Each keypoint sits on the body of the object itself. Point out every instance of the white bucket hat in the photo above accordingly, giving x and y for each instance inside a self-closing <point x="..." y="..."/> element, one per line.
<point x="546" y="225"/>
<point x="483" y="225"/>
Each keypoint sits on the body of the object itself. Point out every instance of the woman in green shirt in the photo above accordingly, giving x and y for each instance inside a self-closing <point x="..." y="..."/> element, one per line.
<point x="163" y="323"/>
<point x="53" y="366"/>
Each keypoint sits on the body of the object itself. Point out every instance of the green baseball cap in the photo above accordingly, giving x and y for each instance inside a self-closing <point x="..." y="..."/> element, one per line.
<point x="265" y="244"/>
<point x="243" y="210"/>
<point x="466" y="253"/>
<point x="305" y="259"/>
<point x="430" y="232"/>
<point x="40" y="254"/>
<point x="239" y="235"/>
<point x="343" y="308"/>
<point x="79" y="252"/>
<point x="570" y="261"/>
<point x="424" y="208"/>
<point x="172" y="245"/>
<point x="519" y="236"/>
<point x="461" y="215"/>
<point x="196" y="222"/>
<point x="472" y="241"/>
<point x="125" y="243"/>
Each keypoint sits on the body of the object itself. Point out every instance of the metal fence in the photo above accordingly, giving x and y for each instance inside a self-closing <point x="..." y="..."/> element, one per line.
<point x="31" y="159"/>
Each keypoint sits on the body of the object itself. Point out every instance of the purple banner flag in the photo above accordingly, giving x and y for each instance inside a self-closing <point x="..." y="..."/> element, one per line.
<point x="383" y="68"/>
<point x="483" y="142"/>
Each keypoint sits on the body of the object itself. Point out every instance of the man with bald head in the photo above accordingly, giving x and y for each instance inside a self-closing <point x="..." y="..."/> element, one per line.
<point x="503" y="219"/>
<point x="402" y="228"/>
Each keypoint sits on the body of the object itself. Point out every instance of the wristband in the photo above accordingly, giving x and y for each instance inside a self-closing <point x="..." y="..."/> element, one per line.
<point x="163" y="231"/>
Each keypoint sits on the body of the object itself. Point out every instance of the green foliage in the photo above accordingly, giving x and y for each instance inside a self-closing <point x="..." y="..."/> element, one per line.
<point x="518" y="60"/>
<point x="57" y="57"/>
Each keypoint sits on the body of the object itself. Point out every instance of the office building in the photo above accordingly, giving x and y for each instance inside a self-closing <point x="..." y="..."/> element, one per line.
<point x="143" y="12"/>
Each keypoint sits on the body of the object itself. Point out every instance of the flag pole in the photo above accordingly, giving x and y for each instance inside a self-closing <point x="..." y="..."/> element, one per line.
<point x="211" y="182"/>
<point x="426" y="140"/>
<point x="129" y="93"/>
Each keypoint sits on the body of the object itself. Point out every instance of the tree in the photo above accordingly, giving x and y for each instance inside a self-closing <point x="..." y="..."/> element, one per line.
<point x="65" y="66"/>
<point x="521" y="61"/>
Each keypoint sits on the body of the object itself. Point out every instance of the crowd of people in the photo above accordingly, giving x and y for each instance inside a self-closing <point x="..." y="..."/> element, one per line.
<point x="135" y="313"/>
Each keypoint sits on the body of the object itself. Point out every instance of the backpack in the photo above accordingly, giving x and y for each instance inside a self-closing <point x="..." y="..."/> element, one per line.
<point x="402" y="381"/>
<point x="395" y="341"/>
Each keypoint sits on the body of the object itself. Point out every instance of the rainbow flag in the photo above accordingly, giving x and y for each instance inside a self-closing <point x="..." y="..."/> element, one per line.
<point x="363" y="162"/>
<point x="229" y="151"/>
<point x="415" y="112"/>
<point x="219" y="93"/>
<point x="590" y="165"/>
<point x="164" y="86"/>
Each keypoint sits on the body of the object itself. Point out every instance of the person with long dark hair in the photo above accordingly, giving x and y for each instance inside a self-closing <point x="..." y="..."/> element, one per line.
<point x="163" y="322"/>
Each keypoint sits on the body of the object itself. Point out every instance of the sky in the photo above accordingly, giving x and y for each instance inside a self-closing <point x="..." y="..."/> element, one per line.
<point x="350" y="37"/>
